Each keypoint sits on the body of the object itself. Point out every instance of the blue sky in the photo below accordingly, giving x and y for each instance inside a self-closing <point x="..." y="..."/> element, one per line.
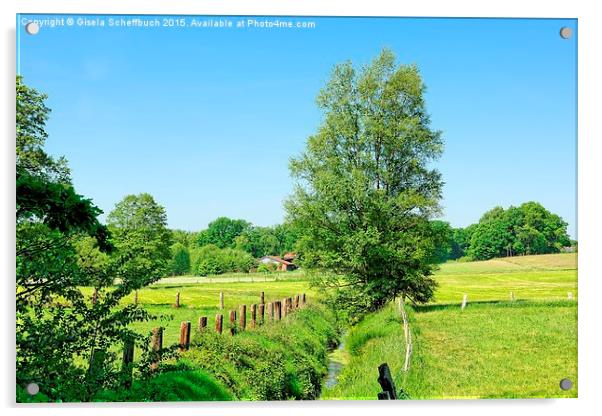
<point x="206" y="119"/>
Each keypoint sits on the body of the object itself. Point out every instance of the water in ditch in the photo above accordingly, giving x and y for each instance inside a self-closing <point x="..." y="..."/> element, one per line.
<point x="336" y="363"/>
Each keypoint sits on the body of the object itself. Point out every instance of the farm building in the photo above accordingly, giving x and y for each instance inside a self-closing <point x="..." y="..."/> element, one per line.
<point x="281" y="264"/>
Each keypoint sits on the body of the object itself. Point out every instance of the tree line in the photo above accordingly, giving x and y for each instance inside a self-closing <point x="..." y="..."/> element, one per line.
<point x="523" y="230"/>
<point x="227" y="245"/>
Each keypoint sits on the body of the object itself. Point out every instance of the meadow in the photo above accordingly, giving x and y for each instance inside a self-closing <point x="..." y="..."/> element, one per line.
<point x="493" y="348"/>
<point x="198" y="300"/>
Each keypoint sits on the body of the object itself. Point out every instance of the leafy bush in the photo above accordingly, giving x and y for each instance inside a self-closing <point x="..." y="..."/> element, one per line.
<point x="272" y="362"/>
<point x="211" y="259"/>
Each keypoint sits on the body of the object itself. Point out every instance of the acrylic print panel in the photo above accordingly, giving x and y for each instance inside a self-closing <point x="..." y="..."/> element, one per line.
<point x="312" y="208"/>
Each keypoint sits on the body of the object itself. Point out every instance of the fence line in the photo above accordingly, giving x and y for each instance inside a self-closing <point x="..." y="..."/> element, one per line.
<point x="277" y="310"/>
<point x="407" y="336"/>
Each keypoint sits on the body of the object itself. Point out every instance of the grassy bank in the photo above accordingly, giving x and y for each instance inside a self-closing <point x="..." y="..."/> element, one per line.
<point x="494" y="348"/>
<point x="280" y="361"/>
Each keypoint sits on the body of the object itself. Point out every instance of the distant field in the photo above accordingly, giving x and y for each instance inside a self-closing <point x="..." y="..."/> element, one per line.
<point x="549" y="276"/>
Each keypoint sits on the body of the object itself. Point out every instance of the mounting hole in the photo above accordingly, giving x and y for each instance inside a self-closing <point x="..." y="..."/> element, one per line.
<point x="566" y="32"/>
<point x="566" y="384"/>
<point x="32" y="389"/>
<point x="32" y="28"/>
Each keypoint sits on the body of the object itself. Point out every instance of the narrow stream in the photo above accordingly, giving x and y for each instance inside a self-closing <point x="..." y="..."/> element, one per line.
<point x="335" y="365"/>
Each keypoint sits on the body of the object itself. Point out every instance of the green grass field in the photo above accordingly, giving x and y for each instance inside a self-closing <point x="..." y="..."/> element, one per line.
<point x="198" y="300"/>
<point x="549" y="276"/>
<point x="494" y="348"/>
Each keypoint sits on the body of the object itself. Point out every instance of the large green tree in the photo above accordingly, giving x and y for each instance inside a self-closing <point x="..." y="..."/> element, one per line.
<point x="60" y="247"/>
<point x="365" y="189"/>
<point x="139" y="231"/>
<point x="222" y="232"/>
<point x="527" y="229"/>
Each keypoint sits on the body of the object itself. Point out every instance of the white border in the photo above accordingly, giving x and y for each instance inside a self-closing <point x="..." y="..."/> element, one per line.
<point x="590" y="135"/>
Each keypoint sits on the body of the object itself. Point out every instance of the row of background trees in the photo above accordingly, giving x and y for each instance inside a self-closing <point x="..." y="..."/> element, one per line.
<point x="227" y="245"/>
<point x="523" y="230"/>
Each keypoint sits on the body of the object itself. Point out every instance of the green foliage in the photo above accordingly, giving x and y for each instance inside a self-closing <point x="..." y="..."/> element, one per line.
<point x="365" y="191"/>
<point x="273" y="362"/>
<point x="32" y="114"/>
<point x="139" y="232"/>
<point x="527" y="229"/>
<point x="180" y="260"/>
<point x="211" y="259"/>
<point x="222" y="232"/>
<point x="265" y="241"/>
<point x="64" y="340"/>
<point x="184" y="385"/>
<point x="443" y="241"/>
<point x="186" y="238"/>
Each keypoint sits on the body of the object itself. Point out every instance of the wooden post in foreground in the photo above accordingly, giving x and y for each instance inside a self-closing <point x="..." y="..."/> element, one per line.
<point x="569" y="295"/>
<point x="261" y="314"/>
<point x="202" y="323"/>
<point x="386" y="383"/>
<point x="184" y="335"/>
<point x="464" y="301"/>
<point x="177" y="304"/>
<point x="271" y="311"/>
<point x="289" y="305"/>
<point x="303" y="299"/>
<point x="219" y="322"/>
<point x="232" y="322"/>
<point x="296" y="304"/>
<point x="156" y="346"/>
<point x="221" y="300"/>
<point x="511" y="296"/>
<point x="253" y="321"/>
<point x="242" y="319"/>
<point x="261" y="298"/>
<point x="128" y="360"/>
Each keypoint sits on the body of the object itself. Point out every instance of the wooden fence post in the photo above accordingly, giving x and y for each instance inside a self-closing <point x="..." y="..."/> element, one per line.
<point x="253" y="321"/>
<point x="136" y="297"/>
<point x="289" y="305"/>
<point x="221" y="300"/>
<point x="511" y="296"/>
<point x="232" y="322"/>
<point x="184" y="335"/>
<point x="271" y="311"/>
<point x="277" y="310"/>
<point x="464" y="301"/>
<point x="128" y="360"/>
<point x="303" y="299"/>
<point x="202" y="323"/>
<point x="296" y="305"/>
<point x="177" y="304"/>
<point x="95" y="296"/>
<point x="386" y="383"/>
<point x="242" y="319"/>
<point x="219" y="323"/>
<point x="261" y="314"/>
<point x="261" y="298"/>
<point x="157" y="345"/>
<point x="283" y="308"/>
<point x="569" y="295"/>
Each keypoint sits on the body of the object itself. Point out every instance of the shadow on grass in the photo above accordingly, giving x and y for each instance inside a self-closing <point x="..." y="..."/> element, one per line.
<point x="518" y="303"/>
